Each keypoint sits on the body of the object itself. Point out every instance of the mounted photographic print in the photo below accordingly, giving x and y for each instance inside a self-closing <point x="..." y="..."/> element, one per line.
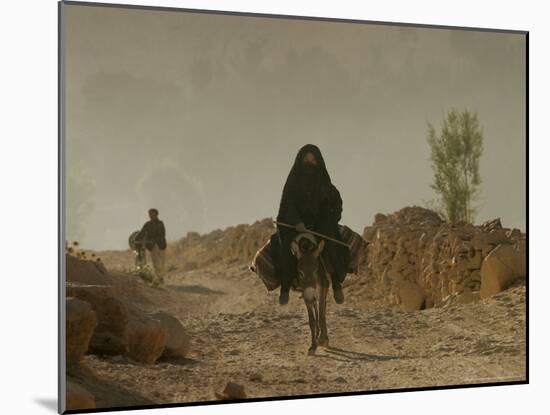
<point x="258" y="207"/>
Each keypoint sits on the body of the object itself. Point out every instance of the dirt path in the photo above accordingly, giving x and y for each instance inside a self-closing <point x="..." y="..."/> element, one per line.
<point x="241" y="334"/>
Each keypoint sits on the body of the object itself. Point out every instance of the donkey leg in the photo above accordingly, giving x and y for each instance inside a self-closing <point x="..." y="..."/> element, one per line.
<point x="313" y="328"/>
<point x="318" y="327"/>
<point x="323" y="339"/>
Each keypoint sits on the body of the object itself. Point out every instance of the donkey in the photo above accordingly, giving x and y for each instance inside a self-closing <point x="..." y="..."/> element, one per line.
<point x="313" y="280"/>
<point x="139" y="250"/>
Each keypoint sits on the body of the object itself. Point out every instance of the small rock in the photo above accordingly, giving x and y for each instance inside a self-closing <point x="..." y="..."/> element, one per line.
<point x="146" y="337"/>
<point x="178" y="340"/>
<point x="256" y="377"/>
<point x="232" y="391"/>
<point x="81" y="322"/>
<point x="409" y="295"/>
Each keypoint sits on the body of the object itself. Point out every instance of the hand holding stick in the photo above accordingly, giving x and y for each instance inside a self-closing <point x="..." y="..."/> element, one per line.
<point x="314" y="233"/>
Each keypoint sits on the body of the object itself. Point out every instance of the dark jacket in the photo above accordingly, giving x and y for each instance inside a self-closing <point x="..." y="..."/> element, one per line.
<point x="152" y="233"/>
<point x="315" y="201"/>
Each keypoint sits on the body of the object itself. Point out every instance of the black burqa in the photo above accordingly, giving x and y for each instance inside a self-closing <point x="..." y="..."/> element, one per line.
<point x="309" y="197"/>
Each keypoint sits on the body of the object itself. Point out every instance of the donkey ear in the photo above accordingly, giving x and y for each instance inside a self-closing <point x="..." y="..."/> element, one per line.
<point x="320" y="247"/>
<point x="295" y="249"/>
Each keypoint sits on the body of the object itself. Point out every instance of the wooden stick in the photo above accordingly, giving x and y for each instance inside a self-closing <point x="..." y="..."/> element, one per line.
<point x="314" y="233"/>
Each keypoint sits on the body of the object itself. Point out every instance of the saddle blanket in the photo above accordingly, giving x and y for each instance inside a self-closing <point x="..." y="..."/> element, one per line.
<point x="262" y="263"/>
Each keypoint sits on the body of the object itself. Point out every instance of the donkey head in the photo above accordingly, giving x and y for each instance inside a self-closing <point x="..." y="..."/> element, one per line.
<point x="306" y="250"/>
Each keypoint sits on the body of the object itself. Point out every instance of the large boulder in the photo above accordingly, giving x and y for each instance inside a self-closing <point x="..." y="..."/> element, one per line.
<point x="110" y="335"/>
<point x="491" y="225"/>
<point x="380" y="218"/>
<point x="81" y="322"/>
<point x="85" y="271"/>
<point x="178" y="340"/>
<point x="77" y="397"/>
<point x="232" y="390"/>
<point x="369" y="233"/>
<point x="486" y="242"/>
<point x="501" y="268"/>
<point x="146" y="337"/>
<point x="514" y="234"/>
<point x="521" y="264"/>
<point x="409" y="295"/>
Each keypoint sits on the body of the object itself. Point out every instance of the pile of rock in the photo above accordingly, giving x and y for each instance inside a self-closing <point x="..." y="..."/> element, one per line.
<point x="419" y="261"/>
<point x="100" y="320"/>
<point x="235" y="243"/>
<point x="120" y="327"/>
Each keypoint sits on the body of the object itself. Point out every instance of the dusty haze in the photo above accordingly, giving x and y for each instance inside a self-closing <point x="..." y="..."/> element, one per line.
<point x="201" y="116"/>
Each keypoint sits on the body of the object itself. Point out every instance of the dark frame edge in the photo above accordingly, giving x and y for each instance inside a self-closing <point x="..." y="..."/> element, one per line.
<point x="61" y="310"/>
<point x="527" y="206"/>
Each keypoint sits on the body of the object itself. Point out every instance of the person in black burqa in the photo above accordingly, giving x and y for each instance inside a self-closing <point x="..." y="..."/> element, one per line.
<point x="309" y="201"/>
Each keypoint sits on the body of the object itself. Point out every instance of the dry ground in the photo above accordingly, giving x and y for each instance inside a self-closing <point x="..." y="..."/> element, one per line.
<point x="241" y="334"/>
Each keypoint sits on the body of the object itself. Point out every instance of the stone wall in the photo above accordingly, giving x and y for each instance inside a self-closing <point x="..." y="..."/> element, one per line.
<point x="233" y="244"/>
<point x="414" y="258"/>
<point x="417" y="260"/>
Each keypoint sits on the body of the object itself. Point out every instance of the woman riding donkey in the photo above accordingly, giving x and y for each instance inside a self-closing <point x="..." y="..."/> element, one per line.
<point x="309" y="201"/>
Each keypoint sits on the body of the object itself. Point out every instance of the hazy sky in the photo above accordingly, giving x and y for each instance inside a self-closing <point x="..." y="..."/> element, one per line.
<point x="201" y="116"/>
